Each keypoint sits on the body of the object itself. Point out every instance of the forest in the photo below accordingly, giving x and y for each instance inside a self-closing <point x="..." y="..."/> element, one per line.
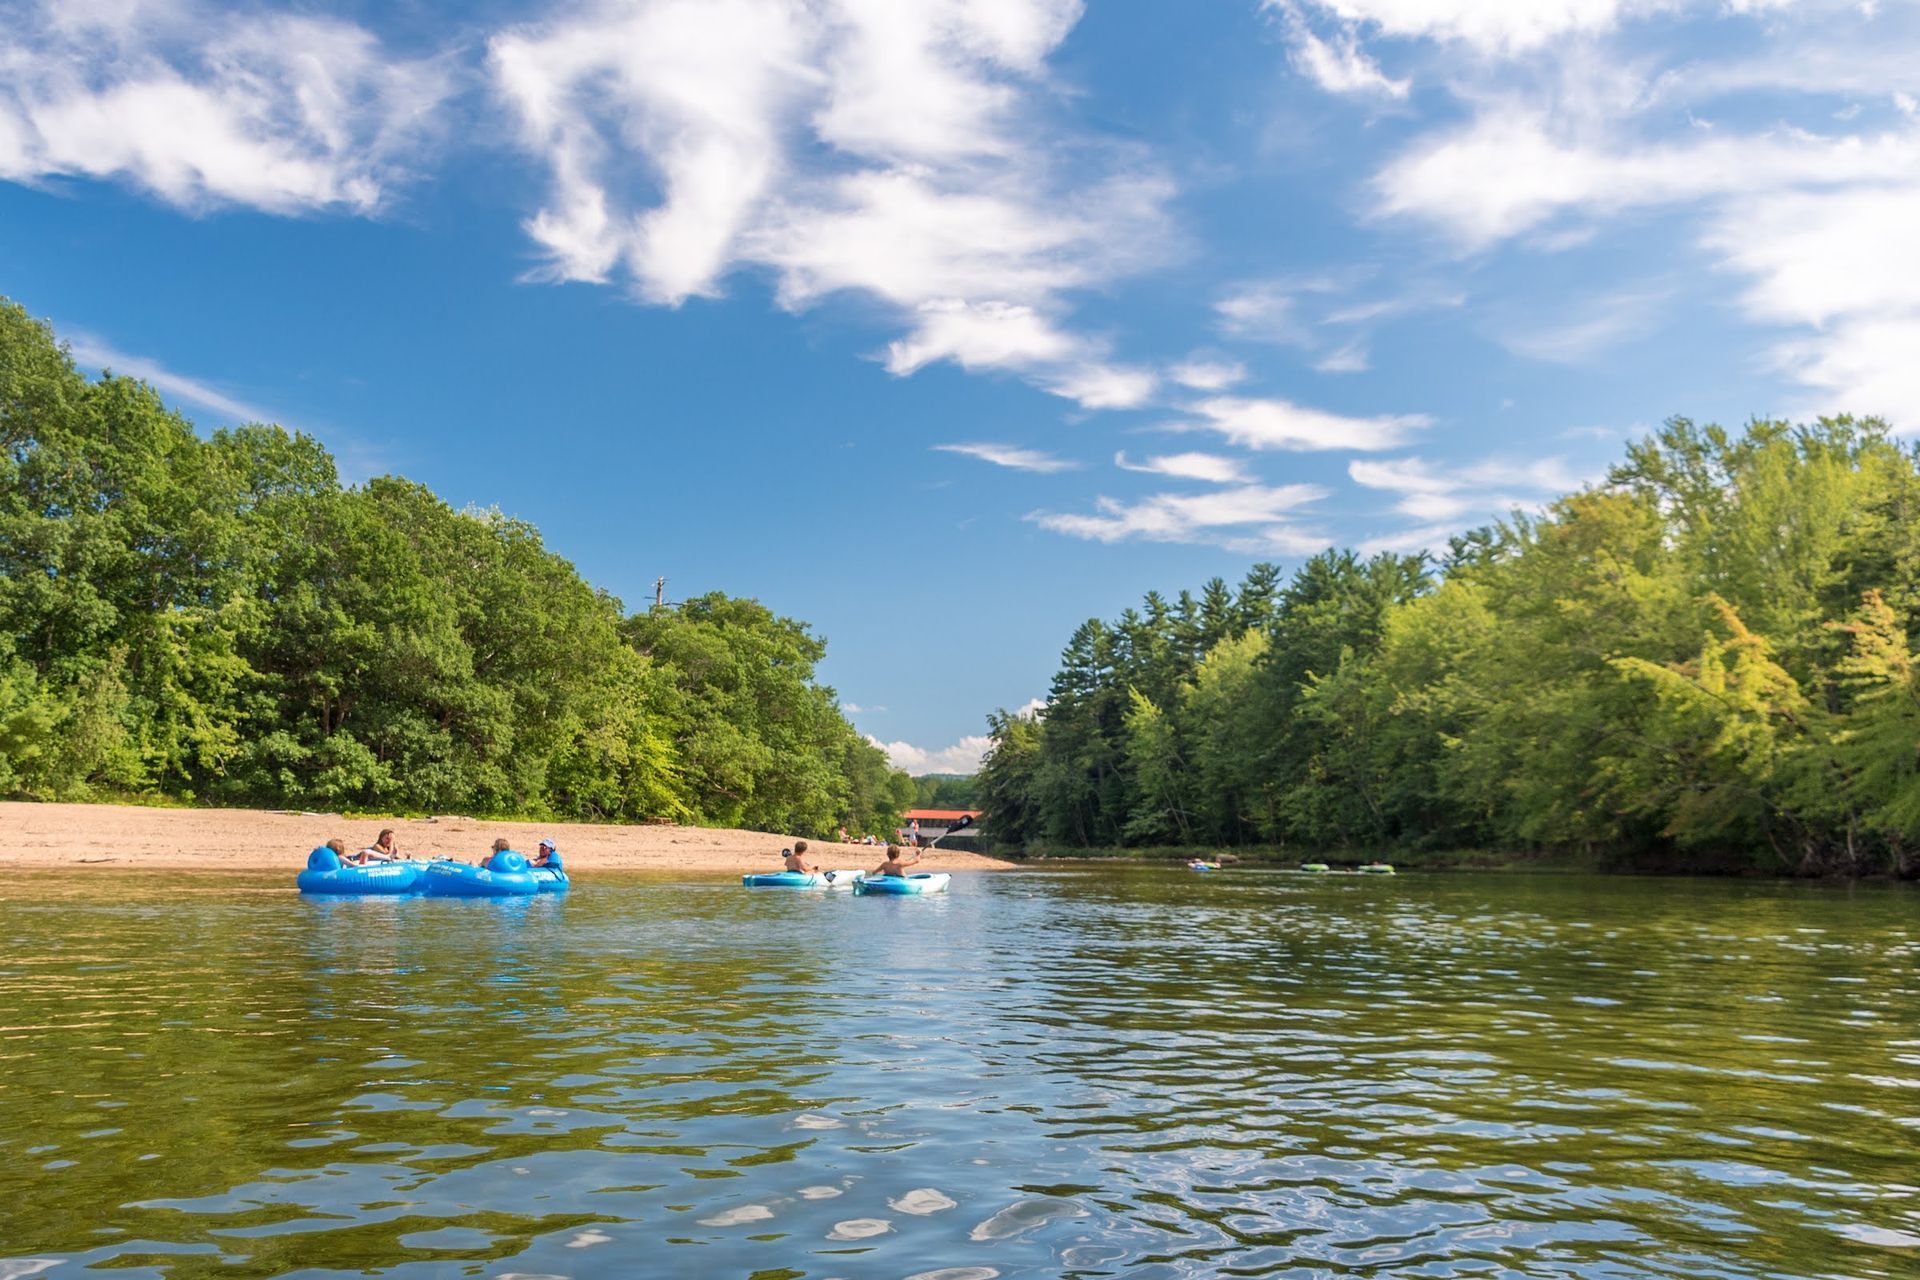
<point x="217" y="619"/>
<point x="1701" y="663"/>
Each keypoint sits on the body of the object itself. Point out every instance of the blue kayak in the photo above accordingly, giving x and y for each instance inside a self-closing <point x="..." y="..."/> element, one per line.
<point x="506" y="875"/>
<point x="919" y="882"/>
<point x="325" y="873"/>
<point x="801" y="880"/>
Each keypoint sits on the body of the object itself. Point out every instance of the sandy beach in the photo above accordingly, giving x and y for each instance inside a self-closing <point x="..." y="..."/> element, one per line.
<point x="120" y="837"/>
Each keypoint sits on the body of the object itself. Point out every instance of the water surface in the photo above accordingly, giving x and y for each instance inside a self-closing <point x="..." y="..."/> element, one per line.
<point x="1143" y="1074"/>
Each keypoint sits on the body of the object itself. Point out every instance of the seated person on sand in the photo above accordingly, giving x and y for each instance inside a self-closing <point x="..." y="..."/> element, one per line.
<point x="544" y="855"/>
<point x="893" y="866"/>
<point x="796" y="858"/>
<point x="381" y="850"/>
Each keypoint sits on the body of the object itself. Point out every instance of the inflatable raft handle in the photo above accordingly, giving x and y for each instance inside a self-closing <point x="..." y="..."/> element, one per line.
<point x="507" y="860"/>
<point x="323" y="859"/>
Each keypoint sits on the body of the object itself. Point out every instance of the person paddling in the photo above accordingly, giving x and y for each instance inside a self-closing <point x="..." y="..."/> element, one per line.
<point x="893" y="866"/>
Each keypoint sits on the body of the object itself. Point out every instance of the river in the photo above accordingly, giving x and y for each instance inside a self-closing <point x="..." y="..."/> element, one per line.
<point x="1149" y="1074"/>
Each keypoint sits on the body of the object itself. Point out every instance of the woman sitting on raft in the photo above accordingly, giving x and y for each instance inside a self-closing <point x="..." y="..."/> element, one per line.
<point x="381" y="850"/>
<point x="893" y="866"/>
<point x="796" y="858"/>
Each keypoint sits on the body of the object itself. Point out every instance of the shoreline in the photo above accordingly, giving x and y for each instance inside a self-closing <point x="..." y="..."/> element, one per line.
<point x="120" y="837"/>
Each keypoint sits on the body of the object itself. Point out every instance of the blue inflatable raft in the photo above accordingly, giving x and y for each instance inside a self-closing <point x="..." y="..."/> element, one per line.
<point x="919" y="882"/>
<point x="325" y="873"/>
<point x="551" y="878"/>
<point x="506" y="875"/>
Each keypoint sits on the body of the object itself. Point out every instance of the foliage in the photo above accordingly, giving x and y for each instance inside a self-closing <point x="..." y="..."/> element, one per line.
<point x="1702" y="662"/>
<point x="219" y="618"/>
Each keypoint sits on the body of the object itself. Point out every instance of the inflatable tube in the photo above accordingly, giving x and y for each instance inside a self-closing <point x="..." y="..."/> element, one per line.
<point x="801" y="880"/>
<point x="919" y="882"/>
<point x="1203" y="866"/>
<point x="505" y="876"/>
<point x="1377" y="869"/>
<point x="551" y="878"/>
<point x="325" y="873"/>
<point x="1315" y="866"/>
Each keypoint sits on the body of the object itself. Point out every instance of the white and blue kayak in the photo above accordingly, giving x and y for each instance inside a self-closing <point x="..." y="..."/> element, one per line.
<point x="801" y="880"/>
<point x="919" y="882"/>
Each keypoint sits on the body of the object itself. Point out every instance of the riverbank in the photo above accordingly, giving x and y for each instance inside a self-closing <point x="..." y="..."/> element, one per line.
<point x="1400" y="859"/>
<point x="114" y="836"/>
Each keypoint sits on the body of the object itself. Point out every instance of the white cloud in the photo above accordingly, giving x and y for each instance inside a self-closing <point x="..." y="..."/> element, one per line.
<point x="1006" y="455"/>
<point x="94" y="352"/>
<point x="1443" y="497"/>
<point x="1510" y="171"/>
<point x="282" y="112"/>
<point x="897" y="151"/>
<point x="1596" y="325"/>
<point x="855" y="708"/>
<point x="978" y="335"/>
<point x="1351" y="357"/>
<point x="1104" y="386"/>
<point x="1248" y="517"/>
<point x="1494" y="26"/>
<point x="963" y="756"/>
<point x="1280" y="424"/>
<point x="1211" y="467"/>
<point x="1208" y="375"/>
<point x="1262" y="311"/>
<point x="1337" y="64"/>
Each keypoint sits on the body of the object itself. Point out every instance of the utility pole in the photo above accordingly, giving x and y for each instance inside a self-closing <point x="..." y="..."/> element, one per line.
<point x="659" y="593"/>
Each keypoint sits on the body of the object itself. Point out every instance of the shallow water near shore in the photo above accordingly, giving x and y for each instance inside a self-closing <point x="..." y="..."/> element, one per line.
<point x="1082" y="1073"/>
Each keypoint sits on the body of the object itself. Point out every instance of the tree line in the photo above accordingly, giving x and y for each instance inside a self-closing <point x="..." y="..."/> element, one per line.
<point x="1700" y="663"/>
<point x="218" y="619"/>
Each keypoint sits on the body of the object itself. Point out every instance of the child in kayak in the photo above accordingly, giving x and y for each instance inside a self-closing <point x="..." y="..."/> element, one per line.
<point x="796" y="858"/>
<point x="893" y="866"/>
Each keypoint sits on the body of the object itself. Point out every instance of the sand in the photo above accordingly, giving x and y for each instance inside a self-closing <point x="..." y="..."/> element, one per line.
<point x="120" y="837"/>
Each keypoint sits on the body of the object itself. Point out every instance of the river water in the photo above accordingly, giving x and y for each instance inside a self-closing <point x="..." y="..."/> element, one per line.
<point x="1144" y="1074"/>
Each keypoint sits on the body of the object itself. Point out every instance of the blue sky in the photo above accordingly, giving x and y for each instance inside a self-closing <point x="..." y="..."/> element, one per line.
<point x="946" y="324"/>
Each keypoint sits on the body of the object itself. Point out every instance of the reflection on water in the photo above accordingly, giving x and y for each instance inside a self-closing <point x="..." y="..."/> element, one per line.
<point x="1083" y="1074"/>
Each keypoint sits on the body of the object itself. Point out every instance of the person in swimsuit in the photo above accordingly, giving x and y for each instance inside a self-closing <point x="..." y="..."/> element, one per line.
<point x="796" y="858"/>
<point x="381" y="850"/>
<point x="893" y="866"/>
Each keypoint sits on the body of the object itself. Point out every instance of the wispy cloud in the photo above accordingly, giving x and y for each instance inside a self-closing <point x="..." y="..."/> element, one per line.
<point x="856" y="709"/>
<point x="1200" y="374"/>
<point x="1595" y="325"/>
<point x="1253" y="518"/>
<point x="1280" y="424"/>
<point x="203" y="107"/>
<point x="96" y="353"/>
<point x="1212" y="467"/>
<point x="1444" y="498"/>
<point x="899" y="152"/>
<point x="1012" y="456"/>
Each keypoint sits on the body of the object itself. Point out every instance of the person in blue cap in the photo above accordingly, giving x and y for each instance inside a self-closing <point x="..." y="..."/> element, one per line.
<point x="547" y="855"/>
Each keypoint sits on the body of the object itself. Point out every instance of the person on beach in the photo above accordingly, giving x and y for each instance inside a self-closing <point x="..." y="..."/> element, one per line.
<point x="381" y="850"/>
<point x="545" y="854"/>
<point x="796" y="858"/>
<point x="893" y="866"/>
